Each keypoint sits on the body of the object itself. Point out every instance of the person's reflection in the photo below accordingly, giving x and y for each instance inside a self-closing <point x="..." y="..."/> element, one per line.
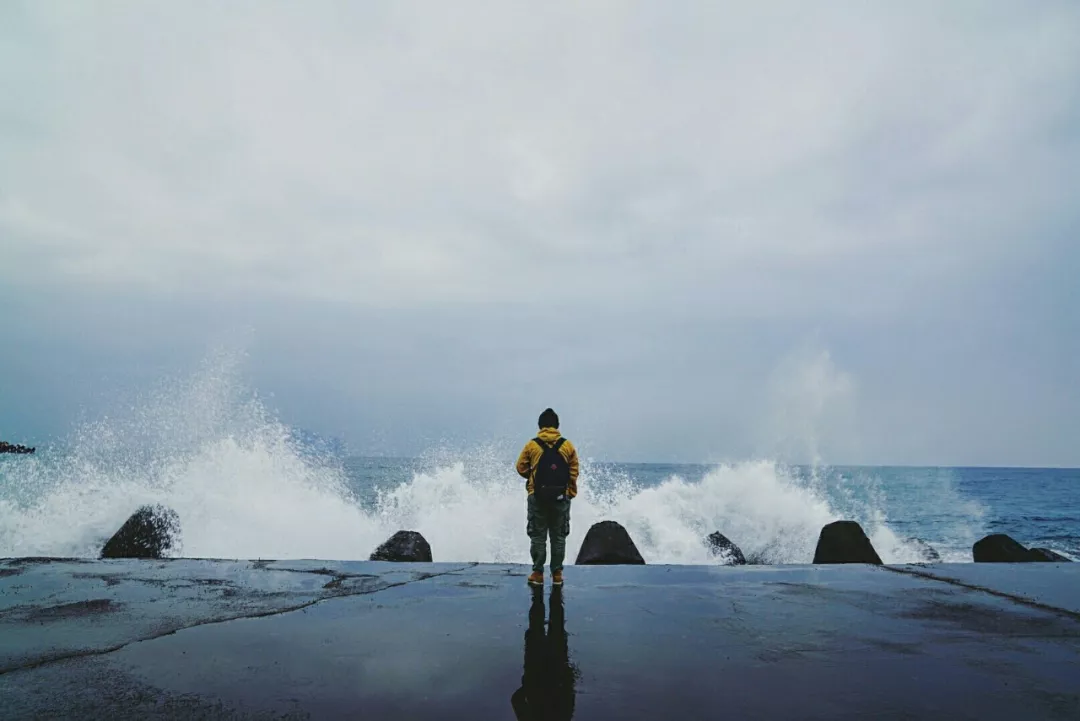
<point x="547" y="688"/>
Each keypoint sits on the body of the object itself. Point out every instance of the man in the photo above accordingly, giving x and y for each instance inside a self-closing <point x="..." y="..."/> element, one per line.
<point x="549" y="464"/>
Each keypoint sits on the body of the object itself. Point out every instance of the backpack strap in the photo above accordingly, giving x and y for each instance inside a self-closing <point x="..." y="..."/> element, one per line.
<point x="545" y="446"/>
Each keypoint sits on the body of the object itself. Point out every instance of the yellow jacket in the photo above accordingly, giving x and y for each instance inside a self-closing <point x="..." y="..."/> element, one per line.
<point x="530" y="456"/>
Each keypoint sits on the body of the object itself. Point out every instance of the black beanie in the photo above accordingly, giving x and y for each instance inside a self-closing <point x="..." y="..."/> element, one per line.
<point x="549" y="419"/>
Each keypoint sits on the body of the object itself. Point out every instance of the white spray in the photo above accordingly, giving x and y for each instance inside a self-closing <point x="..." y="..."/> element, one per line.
<point x="243" y="489"/>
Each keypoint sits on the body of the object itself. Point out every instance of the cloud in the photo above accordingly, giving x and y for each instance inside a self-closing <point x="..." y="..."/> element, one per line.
<point x="673" y="181"/>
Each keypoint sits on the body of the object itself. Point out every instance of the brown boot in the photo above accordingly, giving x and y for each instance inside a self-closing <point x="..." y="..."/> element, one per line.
<point x="537" y="578"/>
<point x="556" y="578"/>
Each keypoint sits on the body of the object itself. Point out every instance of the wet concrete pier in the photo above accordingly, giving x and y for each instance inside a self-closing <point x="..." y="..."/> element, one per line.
<point x="314" y="639"/>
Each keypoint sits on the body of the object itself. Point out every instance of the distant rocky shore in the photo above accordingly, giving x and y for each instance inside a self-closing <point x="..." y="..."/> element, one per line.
<point x="6" y="447"/>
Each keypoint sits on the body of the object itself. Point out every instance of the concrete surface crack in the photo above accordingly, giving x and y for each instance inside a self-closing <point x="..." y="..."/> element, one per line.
<point x="60" y="657"/>
<point x="982" y="589"/>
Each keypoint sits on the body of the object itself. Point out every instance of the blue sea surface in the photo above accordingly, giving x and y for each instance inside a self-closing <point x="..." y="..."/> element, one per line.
<point x="947" y="507"/>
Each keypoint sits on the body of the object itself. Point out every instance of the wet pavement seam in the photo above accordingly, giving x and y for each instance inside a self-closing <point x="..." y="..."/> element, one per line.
<point x="982" y="589"/>
<point x="61" y="657"/>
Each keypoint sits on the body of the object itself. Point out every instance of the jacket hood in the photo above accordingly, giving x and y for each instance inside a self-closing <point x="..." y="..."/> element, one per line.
<point x="549" y="435"/>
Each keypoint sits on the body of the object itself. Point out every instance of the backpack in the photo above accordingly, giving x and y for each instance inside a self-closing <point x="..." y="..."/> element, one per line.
<point x="552" y="476"/>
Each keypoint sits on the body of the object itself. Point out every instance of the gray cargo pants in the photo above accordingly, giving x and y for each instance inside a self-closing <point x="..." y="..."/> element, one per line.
<point x="548" y="517"/>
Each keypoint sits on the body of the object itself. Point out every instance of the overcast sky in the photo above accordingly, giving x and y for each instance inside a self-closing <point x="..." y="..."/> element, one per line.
<point x="702" y="231"/>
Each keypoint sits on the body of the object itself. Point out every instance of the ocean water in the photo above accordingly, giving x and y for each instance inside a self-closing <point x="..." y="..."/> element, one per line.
<point x="246" y="485"/>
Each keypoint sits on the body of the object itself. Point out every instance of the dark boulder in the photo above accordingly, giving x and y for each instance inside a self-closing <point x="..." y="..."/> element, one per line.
<point x="6" y="447"/>
<point x="1045" y="554"/>
<point x="608" y="544"/>
<point x="404" y="547"/>
<point x="149" y="533"/>
<point x="845" y="542"/>
<point x="927" y="553"/>
<point x="999" y="548"/>
<point x="722" y="547"/>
